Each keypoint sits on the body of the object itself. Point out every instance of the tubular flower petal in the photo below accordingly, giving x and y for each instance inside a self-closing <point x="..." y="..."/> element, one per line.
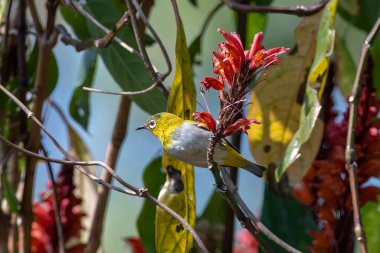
<point x="240" y="125"/>
<point x="205" y="119"/>
<point x="256" y="45"/>
<point x="234" y="41"/>
<point x="211" y="82"/>
<point x="222" y="67"/>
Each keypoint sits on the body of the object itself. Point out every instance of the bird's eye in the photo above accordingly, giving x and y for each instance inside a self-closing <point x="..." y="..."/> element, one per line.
<point x="152" y="124"/>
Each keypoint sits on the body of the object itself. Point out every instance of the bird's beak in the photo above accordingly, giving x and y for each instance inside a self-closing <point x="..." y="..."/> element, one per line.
<point x="141" y="127"/>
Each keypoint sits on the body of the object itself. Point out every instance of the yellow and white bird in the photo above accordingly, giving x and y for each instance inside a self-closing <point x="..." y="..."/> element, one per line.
<point x="187" y="142"/>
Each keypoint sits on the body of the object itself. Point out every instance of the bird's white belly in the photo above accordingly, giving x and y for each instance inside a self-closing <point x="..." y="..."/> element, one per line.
<point x="189" y="144"/>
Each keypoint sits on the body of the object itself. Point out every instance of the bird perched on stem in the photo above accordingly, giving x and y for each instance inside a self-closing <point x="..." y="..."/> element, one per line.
<point x="186" y="141"/>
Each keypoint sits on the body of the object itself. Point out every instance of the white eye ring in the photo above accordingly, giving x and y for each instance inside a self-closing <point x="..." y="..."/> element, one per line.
<point x="152" y="124"/>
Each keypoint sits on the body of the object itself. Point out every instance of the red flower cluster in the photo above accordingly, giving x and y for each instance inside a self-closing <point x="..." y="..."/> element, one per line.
<point x="236" y="68"/>
<point x="325" y="188"/>
<point x="44" y="229"/>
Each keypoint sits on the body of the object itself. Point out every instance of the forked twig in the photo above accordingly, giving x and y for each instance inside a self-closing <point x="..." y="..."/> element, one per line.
<point x="351" y="164"/>
<point x="298" y="10"/>
<point x="129" y="189"/>
<point x="133" y="6"/>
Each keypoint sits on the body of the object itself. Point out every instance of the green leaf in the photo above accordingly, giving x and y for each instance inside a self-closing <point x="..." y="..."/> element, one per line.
<point x="288" y="219"/>
<point x="126" y="68"/>
<point x="80" y="100"/>
<point x="53" y="69"/>
<point x="153" y="179"/>
<point x="215" y="209"/>
<point x="345" y="67"/>
<point x="9" y="194"/>
<point x="77" y="22"/>
<point x="280" y="111"/>
<point x="371" y="221"/>
<point x="194" y="2"/>
<point x="171" y="236"/>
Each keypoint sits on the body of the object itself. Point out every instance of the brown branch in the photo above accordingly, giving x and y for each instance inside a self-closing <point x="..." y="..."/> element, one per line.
<point x="124" y="93"/>
<point x="35" y="17"/>
<point x="79" y="45"/>
<point x="113" y="150"/>
<point x="351" y="164"/>
<point x="298" y="10"/>
<point x="57" y="206"/>
<point x="46" y="42"/>
<point x="248" y="220"/>
<point x="78" y="7"/>
<point x="129" y="189"/>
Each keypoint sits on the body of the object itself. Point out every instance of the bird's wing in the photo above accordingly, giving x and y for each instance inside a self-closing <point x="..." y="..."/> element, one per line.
<point x="226" y="142"/>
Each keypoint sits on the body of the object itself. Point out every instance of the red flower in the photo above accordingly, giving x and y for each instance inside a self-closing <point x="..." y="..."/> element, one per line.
<point x="205" y="119"/>
<point x="229" y="63"/>
<point x="239" y="125"/>
<point x="257" y="55"/>
<point x="211" y="82"/>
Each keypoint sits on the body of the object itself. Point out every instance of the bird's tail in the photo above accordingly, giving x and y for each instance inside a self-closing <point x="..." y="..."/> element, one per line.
<point x="254" y="168"/>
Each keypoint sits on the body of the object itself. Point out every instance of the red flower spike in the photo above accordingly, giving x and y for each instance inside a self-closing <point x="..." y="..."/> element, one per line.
<point x="205" y="119"/>
<point x="240" y="125"/>
<point x="211" y="82"/>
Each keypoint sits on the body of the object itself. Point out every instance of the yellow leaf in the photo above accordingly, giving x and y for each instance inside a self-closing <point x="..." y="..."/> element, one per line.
<point x="275" y="101"/>
<point x="178" y="191"/>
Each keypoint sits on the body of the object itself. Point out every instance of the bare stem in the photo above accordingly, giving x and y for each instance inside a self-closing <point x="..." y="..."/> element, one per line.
<point x="299" y="10"/>
<point x="351" y="164"/>
<point x="46" y="42"/>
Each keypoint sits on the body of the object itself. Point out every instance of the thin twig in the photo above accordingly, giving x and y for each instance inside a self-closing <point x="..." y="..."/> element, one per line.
<point x="57" y="206"/>
<point x="131" y="190"/>
<point x="351" y="164"/>
<point x="160" y="77"/>
<point x="78" y="7"/>
<point x="299" y="10"/>
<point x="122" y="93"/>
<point x="67" y="39"/>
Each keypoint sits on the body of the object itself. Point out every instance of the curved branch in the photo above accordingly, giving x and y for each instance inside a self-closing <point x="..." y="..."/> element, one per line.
<point x="299" y="10"/>
<point x="129" y="189"/>
<point x="351" y="164"/>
